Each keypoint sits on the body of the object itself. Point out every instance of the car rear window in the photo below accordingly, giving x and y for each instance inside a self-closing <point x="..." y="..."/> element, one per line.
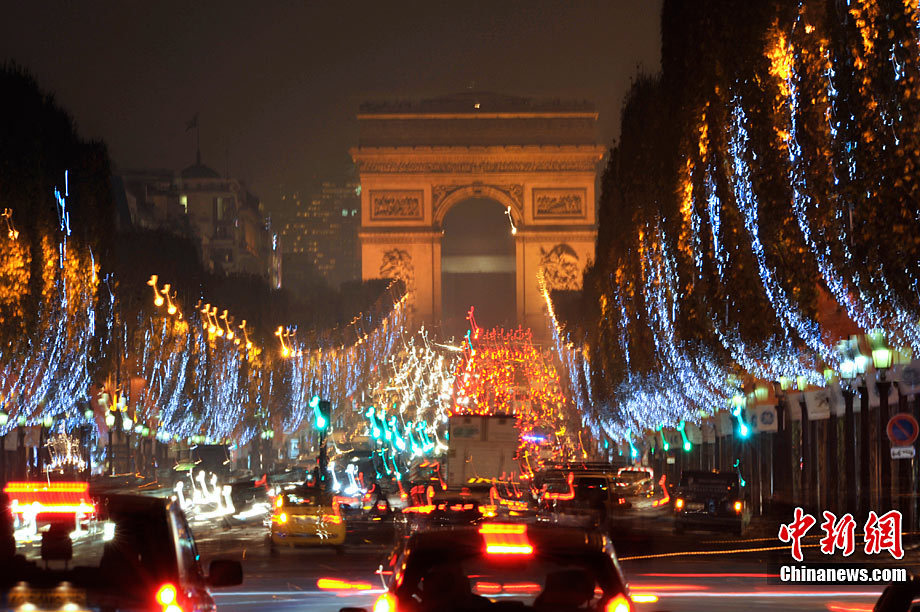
<point x="552" y="583"/>
<point x="306" y="497"/>
<point x="633" y="475"/>
<point x="703" y="480"/>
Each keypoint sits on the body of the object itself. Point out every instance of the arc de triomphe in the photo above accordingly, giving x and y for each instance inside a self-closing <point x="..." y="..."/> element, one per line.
<point x="417" y="160"/>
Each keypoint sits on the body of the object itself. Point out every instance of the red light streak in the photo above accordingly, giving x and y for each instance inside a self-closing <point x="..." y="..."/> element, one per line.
<point x="46" y="487"/>
<point x="836" y="606"/>
<point x="669" y="587"/>
<point x="39" y="508"/>
<point x="563" y="496"/>
<point x="333" y="584"/>
<point x="502" y="539"/>
<point x="721" y="575"/>
<point x="488" y="588"/>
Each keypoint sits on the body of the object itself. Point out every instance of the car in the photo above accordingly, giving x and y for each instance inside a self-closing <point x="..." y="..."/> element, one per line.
<point x="586" y="498"/>
<point x="505" y="566"/>
<point x="636" y="481"/>
<point x="444" y="510"/>
<point x="127" y="552"/>
<point x="710" y="500"/>
<point x="306" y="516"/>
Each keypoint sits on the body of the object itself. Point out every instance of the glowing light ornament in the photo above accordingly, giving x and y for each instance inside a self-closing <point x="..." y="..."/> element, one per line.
<point x="745" y="199"/>
<point x="737" y="408"/>
<point x="49" y="371"/>
<point x="7" y="216"/>
<point x="65" y="453"/>
<point x="683" y="434"/>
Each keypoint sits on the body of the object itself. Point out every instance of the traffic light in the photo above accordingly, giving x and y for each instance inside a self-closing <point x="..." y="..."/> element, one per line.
<point x="321" y="415"/>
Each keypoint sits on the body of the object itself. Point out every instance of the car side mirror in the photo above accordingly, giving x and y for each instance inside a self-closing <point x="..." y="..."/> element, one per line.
<point x="224" y="573"/>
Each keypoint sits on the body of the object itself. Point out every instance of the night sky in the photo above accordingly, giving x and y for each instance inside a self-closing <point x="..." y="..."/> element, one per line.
<point x="277" y="84"/>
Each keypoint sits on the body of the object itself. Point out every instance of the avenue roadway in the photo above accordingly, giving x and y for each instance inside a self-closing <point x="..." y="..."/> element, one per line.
<point x="696" y="571"/>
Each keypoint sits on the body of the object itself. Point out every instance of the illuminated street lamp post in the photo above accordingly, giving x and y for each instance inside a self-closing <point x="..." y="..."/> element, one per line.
<point x="847" y="373"/>
<point x="21" y="445"/>
<point x="782" y="445"/>
<point x="110" y="423"/>
<point x="865" y="474"/>
<point x="4" y="419"/>
<point x="807" y="436"/>
<point x="881" y="359"/>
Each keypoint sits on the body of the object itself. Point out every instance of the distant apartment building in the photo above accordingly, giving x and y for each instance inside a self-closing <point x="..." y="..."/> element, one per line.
<point x="320" y="238"/>
<point x="233" y="234"/>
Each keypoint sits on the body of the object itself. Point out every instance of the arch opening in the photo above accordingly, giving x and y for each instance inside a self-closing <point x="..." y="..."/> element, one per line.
<point x="478" y="266"/>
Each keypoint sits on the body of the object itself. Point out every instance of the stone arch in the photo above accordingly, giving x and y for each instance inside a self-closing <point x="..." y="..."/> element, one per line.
<point x="453" y="195"/>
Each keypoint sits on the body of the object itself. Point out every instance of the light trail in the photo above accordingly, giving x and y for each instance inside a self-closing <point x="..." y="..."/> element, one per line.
<point x="712" y="552"/>
<point x="767" y="594"/>
<point x="722" y="575"/>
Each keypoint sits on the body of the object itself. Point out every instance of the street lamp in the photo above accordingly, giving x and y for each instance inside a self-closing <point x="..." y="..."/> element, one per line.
<point x="881" y="354"/>
<point x="785" y="383"/>
<point x="862" y="363"/>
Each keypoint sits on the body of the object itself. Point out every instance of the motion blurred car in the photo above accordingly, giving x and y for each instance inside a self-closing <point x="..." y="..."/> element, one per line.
<point x="636" y="481"/>
<point x="583" y="498"/>
<point x="505" y="566"/>
<point x="306" y="516"/>
<point x="710" y="500"/>
<point x="443" y="511"/>
<point x="137" y="553"/>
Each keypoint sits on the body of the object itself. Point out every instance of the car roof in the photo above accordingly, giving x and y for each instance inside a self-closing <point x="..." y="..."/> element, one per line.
<point x="705" y="474"/>
<point x="547" y="540"/>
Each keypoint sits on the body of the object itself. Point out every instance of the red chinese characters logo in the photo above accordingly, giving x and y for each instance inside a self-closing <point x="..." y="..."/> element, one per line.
<point x="838" y="534"/>
<point x="884" y="533"/>
<point x="796" y="530"/>
<point x="881" y="533"/>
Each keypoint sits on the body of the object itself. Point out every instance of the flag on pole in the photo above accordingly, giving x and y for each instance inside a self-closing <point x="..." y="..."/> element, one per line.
<point x="192" y="123"/>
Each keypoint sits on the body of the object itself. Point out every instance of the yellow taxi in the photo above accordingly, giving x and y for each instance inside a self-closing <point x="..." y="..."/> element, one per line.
<point x="307" y="516"/>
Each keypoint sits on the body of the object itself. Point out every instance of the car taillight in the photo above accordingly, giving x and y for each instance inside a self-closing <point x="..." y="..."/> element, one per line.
<point x="678" y="503"/>
<point x="506" y="539"/>
<point x="166" y="595"/>
<point x="618" y="604"/>
<point x="385" y="603"/>
<point x="738" y="506"/>
<point x="283" y="518"/>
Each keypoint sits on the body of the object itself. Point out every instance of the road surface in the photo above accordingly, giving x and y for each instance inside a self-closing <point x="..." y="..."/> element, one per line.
<point x="696" y="571"/>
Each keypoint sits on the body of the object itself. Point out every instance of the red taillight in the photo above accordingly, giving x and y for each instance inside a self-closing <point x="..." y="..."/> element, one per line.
<point x="166" y="595"/>
<point x="618" y="604"/>
<point x="385" y="603"/>
<point x="503" y="539"/>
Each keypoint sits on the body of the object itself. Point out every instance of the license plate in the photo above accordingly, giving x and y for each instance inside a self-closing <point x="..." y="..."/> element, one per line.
<point x="695" y="506"/>
<point x="47" y="599"/>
